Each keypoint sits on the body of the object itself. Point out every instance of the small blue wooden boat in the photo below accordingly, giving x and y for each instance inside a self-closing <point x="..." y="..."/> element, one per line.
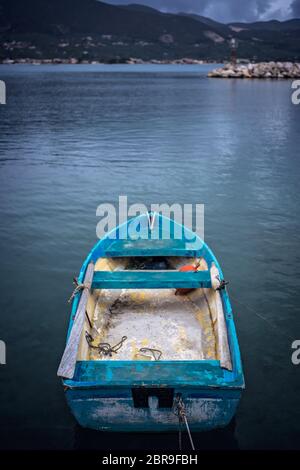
<point x="147" y="333"/>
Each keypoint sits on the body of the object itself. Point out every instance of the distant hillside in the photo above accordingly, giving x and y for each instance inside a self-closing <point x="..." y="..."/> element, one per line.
<point x="207" y="21"/>
<point x="144" y="8"/>
<point x="93" y="30"/>
<point x="272" y="25"/>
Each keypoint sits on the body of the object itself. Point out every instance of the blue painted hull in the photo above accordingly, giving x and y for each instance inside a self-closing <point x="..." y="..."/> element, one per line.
<point x="101" y="394"/>
<point x="112" y="410"/>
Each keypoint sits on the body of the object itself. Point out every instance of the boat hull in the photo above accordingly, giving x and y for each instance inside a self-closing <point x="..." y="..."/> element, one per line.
<point x="113" y="410"/>
<point x="139" y="395"/>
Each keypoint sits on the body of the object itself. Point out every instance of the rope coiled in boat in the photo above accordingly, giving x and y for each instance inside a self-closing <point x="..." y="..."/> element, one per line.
<point x="156" y="353"/>
<point x="104" y="348"/>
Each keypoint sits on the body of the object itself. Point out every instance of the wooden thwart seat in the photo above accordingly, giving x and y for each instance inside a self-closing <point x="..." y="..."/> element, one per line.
<point x="150" y="280"/>
<point x="135" y="248"/>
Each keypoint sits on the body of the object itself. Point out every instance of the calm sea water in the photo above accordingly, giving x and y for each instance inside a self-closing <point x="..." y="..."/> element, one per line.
<point x="72" y="137"/>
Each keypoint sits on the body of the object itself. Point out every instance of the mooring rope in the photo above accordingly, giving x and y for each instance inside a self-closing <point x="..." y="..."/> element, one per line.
<point x="179" y="410"/>
<point x="79" y="287"/>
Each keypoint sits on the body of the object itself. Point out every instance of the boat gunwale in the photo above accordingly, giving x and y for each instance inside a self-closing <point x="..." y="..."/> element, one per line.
<point x="231" y="379"/>
<point x="212" y="367"/>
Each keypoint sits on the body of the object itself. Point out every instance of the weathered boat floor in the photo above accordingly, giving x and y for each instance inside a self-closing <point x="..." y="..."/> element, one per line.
<point x="152" y="318"/>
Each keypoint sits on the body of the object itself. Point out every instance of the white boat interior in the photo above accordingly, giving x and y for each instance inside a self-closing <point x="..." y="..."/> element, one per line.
<point x="154" y="324"/>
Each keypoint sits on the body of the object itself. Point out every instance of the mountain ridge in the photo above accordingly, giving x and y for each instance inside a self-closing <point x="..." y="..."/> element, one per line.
<point x="95" y="30"/>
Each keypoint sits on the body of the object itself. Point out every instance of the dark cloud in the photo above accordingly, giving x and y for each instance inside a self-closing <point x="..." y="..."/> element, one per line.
<point x="295" y="7"/>
<point x="225" y="10"/>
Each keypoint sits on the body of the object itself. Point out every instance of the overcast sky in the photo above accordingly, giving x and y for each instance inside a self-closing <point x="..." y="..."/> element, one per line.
<point x="226" y="10"/>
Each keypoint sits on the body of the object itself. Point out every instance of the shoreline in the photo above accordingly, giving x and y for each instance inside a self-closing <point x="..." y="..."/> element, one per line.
<point x="131" y="61"/>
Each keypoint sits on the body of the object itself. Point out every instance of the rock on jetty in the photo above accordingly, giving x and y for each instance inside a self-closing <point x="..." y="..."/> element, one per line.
<point x="259" y="70"/>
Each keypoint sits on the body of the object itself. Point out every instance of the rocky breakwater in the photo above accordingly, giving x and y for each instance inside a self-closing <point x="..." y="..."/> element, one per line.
<point x="259" y="70"/>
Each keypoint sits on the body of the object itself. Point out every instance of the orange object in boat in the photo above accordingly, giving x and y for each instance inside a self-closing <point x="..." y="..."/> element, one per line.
<point x="186" y="268"/>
